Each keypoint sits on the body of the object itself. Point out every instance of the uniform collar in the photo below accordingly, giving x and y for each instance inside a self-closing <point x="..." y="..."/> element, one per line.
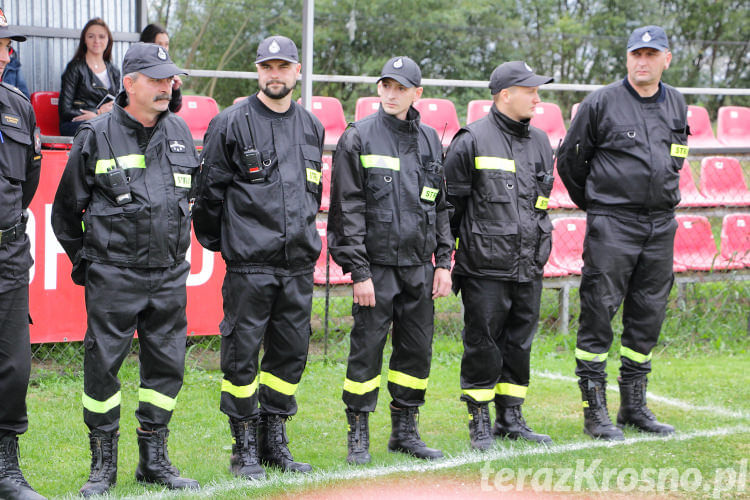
<point x="658" y="97"/>
<point x="507" y="124"/>
<point x="410" y="124"/>
<point x="260" y="108"/>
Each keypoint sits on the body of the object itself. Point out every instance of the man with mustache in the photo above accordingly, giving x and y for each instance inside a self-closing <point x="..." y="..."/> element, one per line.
<point x="122" y="214"/>
<point x="258" y="194"/>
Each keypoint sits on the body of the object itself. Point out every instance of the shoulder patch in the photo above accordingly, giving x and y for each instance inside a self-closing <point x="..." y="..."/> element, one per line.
<point x="14" y="90"/>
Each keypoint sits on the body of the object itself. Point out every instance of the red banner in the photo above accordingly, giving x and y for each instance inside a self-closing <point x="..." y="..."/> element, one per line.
<point x="57" y="305"/>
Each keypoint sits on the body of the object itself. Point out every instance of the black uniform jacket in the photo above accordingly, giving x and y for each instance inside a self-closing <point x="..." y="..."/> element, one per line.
<point x="388" y="203"/>
<point x="20" y="163"/>
<point x="499" y="175"/>
<point x="624" y="151"/>
<point x="82" y="89"/>
<point x="261" y="219"/>
<point x="152" y="230"/>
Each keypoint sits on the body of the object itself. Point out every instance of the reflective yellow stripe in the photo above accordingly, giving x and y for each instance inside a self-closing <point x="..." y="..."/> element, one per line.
<point x="95" y="406"/>
<point x="585" y="404"/>
<point x="494" y="163"/>
<point x="361" y="387"/>
<point x="429" y="194"/>
<point x="590" y="356"/>
<point x="480" y="395"/>
<point x="239" y="391"/>
<point x="313" y="175"/>
<point x="635" y="356"/>
<point x="456" y="243"/>
<point x="157" y="399"/>
<point x="128" y="161"/>
<point x="183" y="180"/>
<point x="679" y="150"/>
<point x="278" y="385"/>
<point x="517" y="391"/>
<point x="379" y="161"/>
<point x="541" y="203"/>
<point x="405" y="380"/>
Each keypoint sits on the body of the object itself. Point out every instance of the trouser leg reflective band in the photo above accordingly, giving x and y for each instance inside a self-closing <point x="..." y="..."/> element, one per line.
<point x="591" y="356"/>
<point x="626" y="352"/>
<point x="102" y="407"/>
<point x="480" y="395"/>
<point x="516" y="391"/>
<point x="273" y="382"/>
<point x="239" y="391"/>
<point x="157" y="399"/>
<point x="404" y="380"/>
<point x="361" y="388"/>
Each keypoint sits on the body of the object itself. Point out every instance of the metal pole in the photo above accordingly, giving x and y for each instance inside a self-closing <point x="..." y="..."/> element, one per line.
<point x="308" y="21"/>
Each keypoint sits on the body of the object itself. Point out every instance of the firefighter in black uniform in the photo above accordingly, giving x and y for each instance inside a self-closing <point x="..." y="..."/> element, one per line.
<point x="621" y="162"/>
<point x="258" y="194"/>
<point x="20" y="161"/>
<point x="388" y="219"/>
<point x="499" y="176"/>
<point x="122" y="215"/>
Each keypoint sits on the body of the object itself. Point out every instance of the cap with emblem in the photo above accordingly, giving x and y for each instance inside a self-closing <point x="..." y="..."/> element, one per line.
<point x="277" y="47"/>
<point x="9" y="32"/>
<point x="515" y="73"/>
<point x="151" y="60"/>
<point x="402" y="69"/>
<point x="648" y="36"/>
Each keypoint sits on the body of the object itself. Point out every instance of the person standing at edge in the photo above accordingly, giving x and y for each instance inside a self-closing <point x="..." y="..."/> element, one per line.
<point x="499" y="176"/>
<point x="258" y="194"/>
<point x="20" y="164"/>
<point x="621" y="162"/>
<point x="122" y="215"/>
<point x="388" y="219"/>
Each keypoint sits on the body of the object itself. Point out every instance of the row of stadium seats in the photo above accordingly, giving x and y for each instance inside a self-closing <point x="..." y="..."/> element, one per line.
<point x="694" y="247"/>
<point x="733" y="124"/>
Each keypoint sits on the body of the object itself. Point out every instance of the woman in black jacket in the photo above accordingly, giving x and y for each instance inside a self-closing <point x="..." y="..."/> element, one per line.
<point x="153" y="33"/>
<point x="88" y="78"/>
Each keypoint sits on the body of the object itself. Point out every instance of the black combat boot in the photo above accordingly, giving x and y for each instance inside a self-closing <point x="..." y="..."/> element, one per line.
<point x="13" y="486"/>
<point x="272" y="444"/>
<point x="596" y="422"/>
<point x="479" y="426"/>
<point x="357" y="437"/>
<point x="244" y="460"/>
<point x="153" y="462"/>
<point x="405" y="435"/>
<point x="510" y="424"/>
<point x="103" y="475"/>
<point x="633" y="409"/>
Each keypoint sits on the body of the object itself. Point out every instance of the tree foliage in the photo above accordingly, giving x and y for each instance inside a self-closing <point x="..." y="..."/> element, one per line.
<point x="576" y="41"/>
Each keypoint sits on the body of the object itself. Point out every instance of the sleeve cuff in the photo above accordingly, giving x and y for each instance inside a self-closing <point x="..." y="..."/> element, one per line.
<point x="361" y="274"/>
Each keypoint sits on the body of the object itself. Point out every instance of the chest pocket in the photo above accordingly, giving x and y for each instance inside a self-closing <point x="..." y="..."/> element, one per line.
<point x="183" y="166"/>
<point x="379" y="186"/>
<point x="625" y="136"/>
<point x="431" y="182"/>
<point x="15" y="146"/>
<point x="313" y="175"/>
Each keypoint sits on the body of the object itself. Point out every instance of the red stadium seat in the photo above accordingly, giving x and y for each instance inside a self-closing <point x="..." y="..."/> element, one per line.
<point x="552" y="271"/>
<point x="722" y="181"/>
<point x="331" y="114"/>
<point x="695" y="248"/>
<point x="559" y="197"/>
<point x="573" y="110"/>
<point x="477" y="109"/>
<point x="567" y="244"/>
<point x="325" y="178"/>
<point x="733" y="126"/>
<point x="548" y="117"/>
<point x="336" y="275"/>
<point x="439" y="114"/>
<point x="238" y="99"/>
<point x="365" y="107"/>
<point x="45" y="104"/>
<point x="735" y="238"/>
<point x="701" y="132"/>
<point x="197" y="111"/>
<point x="689" y="194"/>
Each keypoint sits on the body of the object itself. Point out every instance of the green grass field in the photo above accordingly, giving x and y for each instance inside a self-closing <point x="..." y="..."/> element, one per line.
<point x="701" y="387"/>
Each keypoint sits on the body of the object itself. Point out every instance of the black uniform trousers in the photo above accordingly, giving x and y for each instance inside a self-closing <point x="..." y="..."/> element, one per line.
<point x="119" y="301"/>
<point x="403" y="296"/>
<point x="500" y="321"/>
<point x="626" y="257"/>
<point x="274" y="310"/>
<point x="15" y="359"/>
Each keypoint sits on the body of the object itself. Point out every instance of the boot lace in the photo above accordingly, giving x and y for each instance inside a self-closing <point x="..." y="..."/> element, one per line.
<point x="9" y="463"/>
<point x="518" y="417"/>
<point x="358" y="438"/>
<point x="481" y="421"/>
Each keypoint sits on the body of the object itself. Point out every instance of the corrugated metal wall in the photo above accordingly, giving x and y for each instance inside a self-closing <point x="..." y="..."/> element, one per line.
<point x="43" y="58"/>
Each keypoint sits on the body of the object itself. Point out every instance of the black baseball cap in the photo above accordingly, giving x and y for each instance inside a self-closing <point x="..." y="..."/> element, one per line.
<point x="515" y="73"/>
<point x="653" y="37"/>
<point x="402" y="69"/>
<point x="277" y="47"/>
<point x="151" y="60"/>
<point x="8" y="32"/>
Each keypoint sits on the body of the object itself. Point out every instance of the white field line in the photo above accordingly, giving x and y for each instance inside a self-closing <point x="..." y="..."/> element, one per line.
<point x="718" y="410"/>
<point x="514" y="450"/>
